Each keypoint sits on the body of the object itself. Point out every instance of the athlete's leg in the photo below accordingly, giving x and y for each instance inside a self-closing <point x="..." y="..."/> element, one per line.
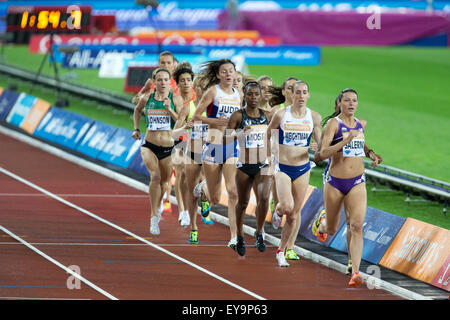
<point x="262" y="185"/>
<point x="192" y="171"/>
<point x="299" y="188"/>
<point x="154" y="189"/>
<point x="178" y="164"/>
<point x="357" y="204"/>
<point x="243" y="188"/>
<point x="229" y="175"/>
<point x="285" y="206"/>
<point x="213" y="176"/>
<point x="333" y="200"/>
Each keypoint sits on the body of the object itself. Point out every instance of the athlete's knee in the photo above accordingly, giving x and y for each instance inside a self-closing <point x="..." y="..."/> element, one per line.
<point x="232" y="196"/>
<point x="356" y="227"/>
<point x="214" y="199"/>
<point x="155" y="177"/>
<point x="242" y="206"/>
<point x="291" y="218"/>
<point x="285" y="208"/>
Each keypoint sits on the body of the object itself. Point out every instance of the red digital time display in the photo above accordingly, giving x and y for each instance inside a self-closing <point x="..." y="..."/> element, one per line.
<point x="40" y="19"/>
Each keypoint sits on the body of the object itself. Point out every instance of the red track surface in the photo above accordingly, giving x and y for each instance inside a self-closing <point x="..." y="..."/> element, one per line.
<point x="119" y="264"/>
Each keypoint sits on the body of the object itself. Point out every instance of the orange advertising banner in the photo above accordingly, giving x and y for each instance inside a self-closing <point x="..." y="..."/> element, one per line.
<point x="35" y="116"/>
<point x="419" y="250"/>
<point x="442" y="279"/>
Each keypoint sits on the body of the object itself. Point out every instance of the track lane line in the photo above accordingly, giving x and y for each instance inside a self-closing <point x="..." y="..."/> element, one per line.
<point x="42" y="254"/>
<point x="92" y="215"/>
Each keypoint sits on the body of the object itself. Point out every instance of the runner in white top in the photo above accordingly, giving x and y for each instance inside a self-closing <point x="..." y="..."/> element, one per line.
<point x="219" y="156"/>
<point x="292" y="127"/>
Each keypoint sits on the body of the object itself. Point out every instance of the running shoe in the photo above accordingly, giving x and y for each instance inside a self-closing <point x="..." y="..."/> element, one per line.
<point x="272" y="207"/>
<point x="276" y="220"/>
<point x="167" y="206"/>
<point x="154" y="227"/>
<point x="240" y="246"/>
<point x="315" y="227"/>
<point x="186" y="219"/>
<point x="207" y="220"/>
<point x="193" y="237"/>
<point x="356" y="280"/>
<point x="259" y="244"/>
<point x="349" y="267"/>
<point x="198" y="189"/>
<point x="291" y="255"/>
<point x="281" y="259"/>
<point x="205" y="208"/>
<point x="232" y="243"/>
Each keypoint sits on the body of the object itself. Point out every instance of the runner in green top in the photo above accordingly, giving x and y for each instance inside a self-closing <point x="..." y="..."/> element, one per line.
<point x="162" y="110"/>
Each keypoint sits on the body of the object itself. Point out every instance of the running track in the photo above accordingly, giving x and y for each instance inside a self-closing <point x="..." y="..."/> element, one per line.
<point x="56" y="214"/>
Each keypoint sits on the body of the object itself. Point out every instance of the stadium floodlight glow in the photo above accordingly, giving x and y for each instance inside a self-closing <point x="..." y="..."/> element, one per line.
<point x="153" y="3"/>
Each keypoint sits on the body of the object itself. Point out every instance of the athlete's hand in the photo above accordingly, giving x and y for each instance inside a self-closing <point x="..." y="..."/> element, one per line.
<point x="189" y="124"/>
<point x="313" y="146"/>
<point x="376" y="159"/>
<point x="352" y="135"/>
<point x="167" y="103"/>
<point x="136" y="135"/>
<point x="222" y="121"/>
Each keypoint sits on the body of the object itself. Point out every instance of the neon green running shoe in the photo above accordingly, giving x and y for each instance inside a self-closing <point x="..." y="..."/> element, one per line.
<point x="193" y="237"/>
<point x="272" y="207"/>
<point x="291" y="255"/>
<point x="315" y="227"/>
<point x="349" y="267"/>
<point x="207" y="220"/>
<point x="205" y="208"/>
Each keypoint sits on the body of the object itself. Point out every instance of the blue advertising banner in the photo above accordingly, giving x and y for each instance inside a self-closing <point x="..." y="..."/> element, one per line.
<point x="21" y="109"/>
<point x="95" y="139"/>
<point x="90" y="56"/>
<point x="273" y="55"/>
<point x="379" y="229"/>
<point x="63" y="127"/>
<point x="7" y="101"/>
<point x="120" y="148"/>
<point x="311" y="210"/>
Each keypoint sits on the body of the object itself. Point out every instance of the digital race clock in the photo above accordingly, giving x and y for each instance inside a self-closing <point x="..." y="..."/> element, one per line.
<point x="24" y="20"/>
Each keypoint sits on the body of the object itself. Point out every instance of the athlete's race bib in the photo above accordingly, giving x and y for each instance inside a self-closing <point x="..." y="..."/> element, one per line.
<point x="158" y="120"/>
<point x="256" y="137"/>
<point x="199" y="131"/>
<point x="227" y="107"/>
<point x="354" y="148"/>
<point x="297" y="134"/>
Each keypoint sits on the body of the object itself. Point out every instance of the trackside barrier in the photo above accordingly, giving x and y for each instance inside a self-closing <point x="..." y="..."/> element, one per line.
<point x="421" y="251"/>
<point x="417" y="249"/>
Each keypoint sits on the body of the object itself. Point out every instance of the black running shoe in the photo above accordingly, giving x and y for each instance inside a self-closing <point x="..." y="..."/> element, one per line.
<point x="259" y="244"/>
<point x="240" y="246"/>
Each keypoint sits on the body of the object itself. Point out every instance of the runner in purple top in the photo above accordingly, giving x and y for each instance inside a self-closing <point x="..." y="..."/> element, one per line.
<point x="343" y="142"/>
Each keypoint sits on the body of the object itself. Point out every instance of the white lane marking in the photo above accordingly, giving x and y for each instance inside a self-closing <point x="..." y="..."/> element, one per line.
<point x="32" y="185"/>
<point x="76" y="195"/>
<point x="42" y="254"/>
